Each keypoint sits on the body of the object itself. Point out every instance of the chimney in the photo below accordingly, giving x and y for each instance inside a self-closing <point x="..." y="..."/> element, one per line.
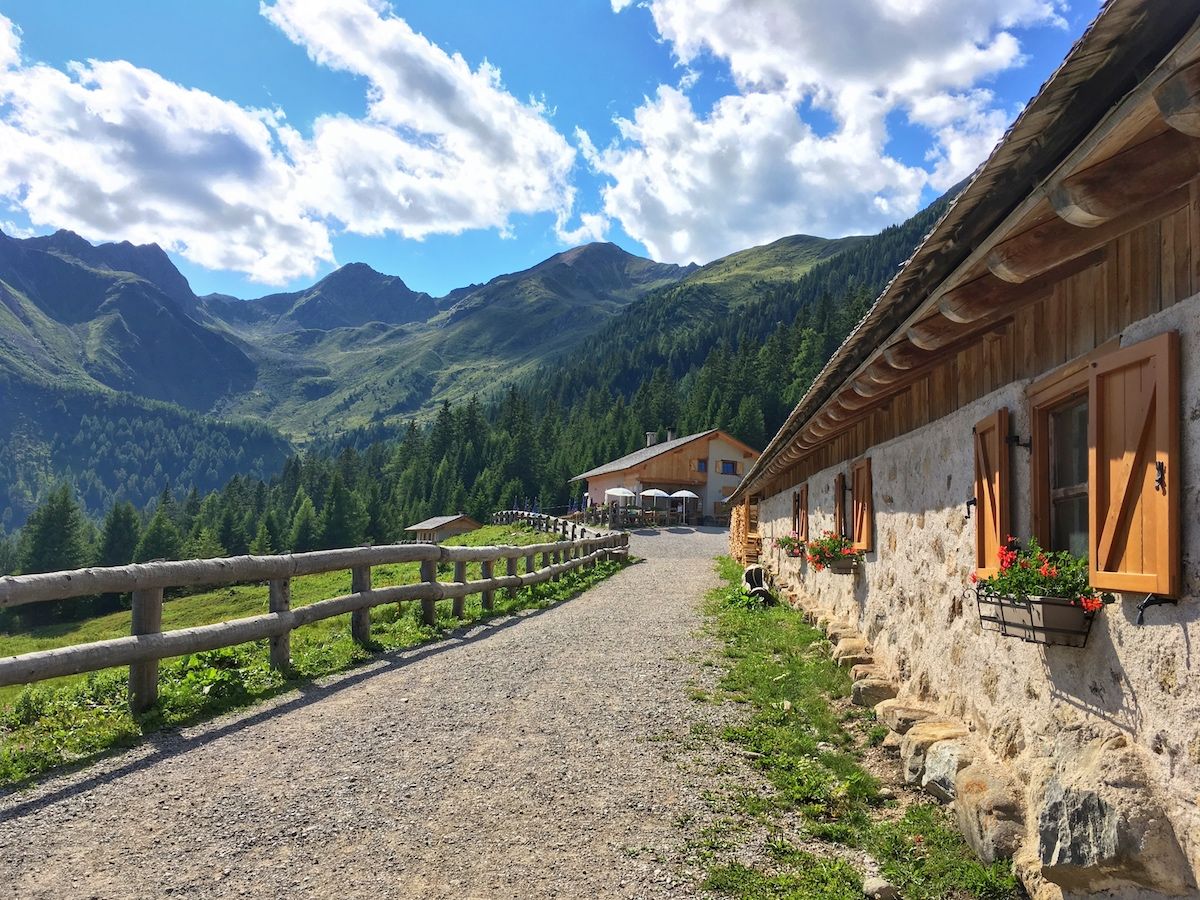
<point x="651" y="438"/>
<point x="670" y="434"/>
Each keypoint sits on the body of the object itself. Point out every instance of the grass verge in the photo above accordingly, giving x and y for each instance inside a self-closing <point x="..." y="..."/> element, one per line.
<point x="75" y="720"/>
<point x="808" y="746"/>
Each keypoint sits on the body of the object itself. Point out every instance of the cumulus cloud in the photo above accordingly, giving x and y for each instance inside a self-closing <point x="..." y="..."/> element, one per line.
<point x="114" y="151"/>
<point x="444" y="147"/>
<point x="695" y="184"/>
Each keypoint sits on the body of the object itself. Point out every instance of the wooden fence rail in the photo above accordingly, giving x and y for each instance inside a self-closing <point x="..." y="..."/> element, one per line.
<point x="576" y="547"/>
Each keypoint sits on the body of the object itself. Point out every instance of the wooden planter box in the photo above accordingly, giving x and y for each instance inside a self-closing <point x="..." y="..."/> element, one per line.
<point x="1040" y="620"/>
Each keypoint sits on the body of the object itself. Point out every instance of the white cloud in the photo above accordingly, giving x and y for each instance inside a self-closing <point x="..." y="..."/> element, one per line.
<point x="113" y="151"/>
<point x="117" y="152"/>
<point x="693" y="185"/>
<point x="444" y="148"/>
<point x="10" y="44"/>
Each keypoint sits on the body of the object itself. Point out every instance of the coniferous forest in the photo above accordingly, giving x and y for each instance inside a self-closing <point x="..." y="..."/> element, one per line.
<point x="684" y="356"/>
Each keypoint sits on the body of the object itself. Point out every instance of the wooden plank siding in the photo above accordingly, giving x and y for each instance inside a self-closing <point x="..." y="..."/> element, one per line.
<point x="1144" y="271"/>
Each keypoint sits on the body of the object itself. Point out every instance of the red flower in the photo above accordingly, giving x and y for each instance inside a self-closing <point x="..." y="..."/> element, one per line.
<point x="974" y="576"/>
<point x="847" y="551"/>
<point x="1091" y="604"/>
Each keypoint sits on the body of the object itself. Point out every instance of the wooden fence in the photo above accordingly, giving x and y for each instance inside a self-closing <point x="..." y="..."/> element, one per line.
<point x="574" y="547"/>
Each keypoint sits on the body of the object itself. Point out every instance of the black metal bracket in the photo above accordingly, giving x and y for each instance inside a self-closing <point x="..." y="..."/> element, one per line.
<point x="970" y="503"/>
<point x="1015" y="439"/>
<point x="1152" y="600"/>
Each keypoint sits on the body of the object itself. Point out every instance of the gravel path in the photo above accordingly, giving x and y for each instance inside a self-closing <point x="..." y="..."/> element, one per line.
<point x="528" y="757"/>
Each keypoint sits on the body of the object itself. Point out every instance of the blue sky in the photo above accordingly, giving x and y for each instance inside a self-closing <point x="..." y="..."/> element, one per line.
<point x="744" y="122"/>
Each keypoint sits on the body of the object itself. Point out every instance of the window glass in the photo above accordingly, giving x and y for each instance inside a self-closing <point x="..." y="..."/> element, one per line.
<point x="702" y="465"/>
<point x="728" y="467"/>
<point x="1068" y="477"/>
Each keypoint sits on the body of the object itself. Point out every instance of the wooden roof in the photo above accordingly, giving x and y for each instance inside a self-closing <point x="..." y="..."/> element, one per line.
<point x="440" y="522"/>
<point x="1127" y="40"/>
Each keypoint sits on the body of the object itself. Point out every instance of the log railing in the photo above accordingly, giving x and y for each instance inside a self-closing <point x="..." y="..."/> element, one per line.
<point x="574" y="547"/>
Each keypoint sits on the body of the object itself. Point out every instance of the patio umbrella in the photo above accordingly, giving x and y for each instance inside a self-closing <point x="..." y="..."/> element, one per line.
<point x="654" y="494"/>
<point x="619" y="492"/>
<point x="684" y="495"/>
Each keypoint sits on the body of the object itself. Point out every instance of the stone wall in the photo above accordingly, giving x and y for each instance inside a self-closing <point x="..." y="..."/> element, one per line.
<point x="1103" y="743"/>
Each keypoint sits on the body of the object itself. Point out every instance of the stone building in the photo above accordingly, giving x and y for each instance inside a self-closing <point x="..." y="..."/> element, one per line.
<point x="1033" y="370"/>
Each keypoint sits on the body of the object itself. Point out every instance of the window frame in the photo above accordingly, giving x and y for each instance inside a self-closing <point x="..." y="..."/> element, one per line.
<point x="702" y="465"/>
<point x="800" y="512"/>
<point x="1046" y="396"/>
<point x="839" y="504"/>
<point x="733" y="467"/>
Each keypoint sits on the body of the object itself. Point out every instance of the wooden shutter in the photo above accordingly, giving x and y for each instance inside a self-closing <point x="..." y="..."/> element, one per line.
<point x="862" y="515"/>
<point x="992" y="497"/>
<point x="1134" y="468"/>
<point x="802" y="526"/>
<point x="839" y="500"/>
<point x="795" y="512"/>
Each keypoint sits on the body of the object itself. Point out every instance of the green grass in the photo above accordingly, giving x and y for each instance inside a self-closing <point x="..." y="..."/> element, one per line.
<point x="809" y="752"/>
<point x="73" y="720"/>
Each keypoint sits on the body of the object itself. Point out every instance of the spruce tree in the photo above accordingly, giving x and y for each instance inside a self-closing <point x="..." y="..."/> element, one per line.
<point x="54" y="538"/>
<point x="119" y="535"/>
<point x="160" y="540"/>
<point x="345" y="517"/>
<point x="203" y="543"/>
<point x="261" y="545"/>
<point x="306" y="527"/>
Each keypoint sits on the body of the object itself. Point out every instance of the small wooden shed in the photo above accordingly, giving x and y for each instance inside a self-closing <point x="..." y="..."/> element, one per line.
<point x="439" y="528"/>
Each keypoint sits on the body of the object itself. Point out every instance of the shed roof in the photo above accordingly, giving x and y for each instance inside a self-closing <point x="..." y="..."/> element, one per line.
<point x="439" y="521"/>
<point x="1124" y="42"/>
<point x="637" y="457"/>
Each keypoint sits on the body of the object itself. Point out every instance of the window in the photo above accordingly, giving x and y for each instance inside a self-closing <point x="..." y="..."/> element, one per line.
<point x="862" y="507"/>
<point x="702" y="465"/>
<point x="992" y="494"/>
<point x="729" y="467"/>
<point x="839" y="500"/>
<point x="1105" y="433"/>
<point x="1068" y="451"/>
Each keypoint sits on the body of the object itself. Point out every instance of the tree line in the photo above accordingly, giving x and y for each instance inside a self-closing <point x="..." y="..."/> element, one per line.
<point x="676" y="359"/>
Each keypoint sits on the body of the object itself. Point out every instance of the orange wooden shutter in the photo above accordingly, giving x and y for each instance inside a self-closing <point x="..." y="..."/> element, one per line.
<point x="1134" y="468"/>
<point x="992" y="497"/>
<point x="803" y="521"/>
<point x="839" y="500"/>
<point x="862" y="530"/>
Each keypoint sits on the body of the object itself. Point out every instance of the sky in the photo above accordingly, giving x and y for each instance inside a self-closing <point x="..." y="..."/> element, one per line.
<point x="264" y="144"/>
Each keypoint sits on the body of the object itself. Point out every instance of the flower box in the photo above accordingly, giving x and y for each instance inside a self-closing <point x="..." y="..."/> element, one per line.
<point x="844" y="566"/>
<point x="1054" y="621"/>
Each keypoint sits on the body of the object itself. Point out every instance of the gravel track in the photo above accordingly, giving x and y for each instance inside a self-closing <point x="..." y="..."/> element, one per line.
<point x="526" y="757"/>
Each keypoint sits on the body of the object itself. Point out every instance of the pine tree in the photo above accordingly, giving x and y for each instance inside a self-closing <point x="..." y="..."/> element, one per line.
<point x="119" y="535"/>
<point x="345" y="517"/>
<point x="160" y="540"/>
<point x="261" y="545"/>
<point x="54" y="538"/>
<point x="203" y="544"/>
<point x="306" y="528"/>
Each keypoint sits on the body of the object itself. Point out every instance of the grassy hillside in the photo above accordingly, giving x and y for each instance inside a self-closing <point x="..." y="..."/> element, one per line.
<point x="783" y="260"/>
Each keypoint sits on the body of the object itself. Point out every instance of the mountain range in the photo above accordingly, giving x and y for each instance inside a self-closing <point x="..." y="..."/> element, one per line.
<point x="96" y="334"/>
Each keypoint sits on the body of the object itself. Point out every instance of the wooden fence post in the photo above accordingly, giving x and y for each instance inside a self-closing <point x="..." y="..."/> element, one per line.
<point x="280" y="600"/>
<point x="429" y="604"/>
<point x="485" y="573"/>
<point x="360" y="619"/>
<point x="460" y="603"/>
<point x="143" y="676"/>
<point x="510" y="570"/>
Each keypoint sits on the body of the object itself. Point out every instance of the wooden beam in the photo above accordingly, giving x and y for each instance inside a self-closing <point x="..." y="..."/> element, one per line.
<point x="990" y="296"/>
<point x="1106" y="190"/>
<point x="904" y="354"/>
<point x="1055" y="242"/>
<point x="1178" y="99"/>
